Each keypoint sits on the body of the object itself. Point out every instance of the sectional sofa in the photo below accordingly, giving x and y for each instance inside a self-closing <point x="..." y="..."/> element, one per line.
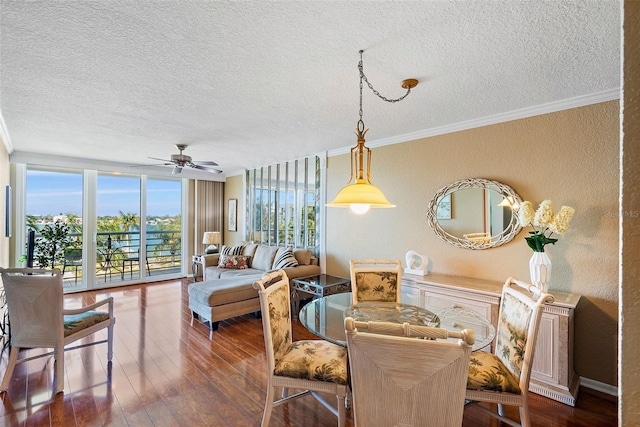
<point x="227" y="287"/>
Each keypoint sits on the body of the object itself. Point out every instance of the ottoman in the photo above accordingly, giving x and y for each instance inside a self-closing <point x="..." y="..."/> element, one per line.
<point x="220" y="299"/>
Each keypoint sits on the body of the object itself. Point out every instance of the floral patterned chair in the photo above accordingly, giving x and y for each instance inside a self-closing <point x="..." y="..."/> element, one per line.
<point x="502" y="377"/>
<point x="38" y="319"/>
<point x="398" y="380"/>
<point x="311" y="365"/>
<point x="375" y="280"/>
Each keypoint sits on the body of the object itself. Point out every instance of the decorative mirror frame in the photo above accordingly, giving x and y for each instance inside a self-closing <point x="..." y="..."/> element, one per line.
<point x="508" y="234"/>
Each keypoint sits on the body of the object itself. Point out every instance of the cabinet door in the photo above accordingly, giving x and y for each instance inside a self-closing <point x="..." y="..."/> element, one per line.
<point x="438" y="302"/>
<point x="411" y="295"/>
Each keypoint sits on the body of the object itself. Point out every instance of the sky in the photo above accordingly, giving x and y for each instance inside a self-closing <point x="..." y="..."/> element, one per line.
<point x="54" y="193"/>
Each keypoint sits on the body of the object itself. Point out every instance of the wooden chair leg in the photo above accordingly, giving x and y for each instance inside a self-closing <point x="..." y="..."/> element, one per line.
<point x="59" y="369"/>
<point x="268" y="406"/>
<point x="13" y="358"/>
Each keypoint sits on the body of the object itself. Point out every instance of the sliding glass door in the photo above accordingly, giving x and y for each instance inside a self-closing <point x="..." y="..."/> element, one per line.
<point x="104" y="229"/>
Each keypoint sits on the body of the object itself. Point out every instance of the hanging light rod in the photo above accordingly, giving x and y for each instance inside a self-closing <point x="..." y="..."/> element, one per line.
<point x="360" y="194"/>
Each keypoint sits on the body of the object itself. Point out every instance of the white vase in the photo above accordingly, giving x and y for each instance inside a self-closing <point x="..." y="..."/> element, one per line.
<point x="540" y="270"/>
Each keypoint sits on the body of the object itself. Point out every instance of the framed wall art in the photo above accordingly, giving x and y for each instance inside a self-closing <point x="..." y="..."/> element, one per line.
<point x="233" y="215"/>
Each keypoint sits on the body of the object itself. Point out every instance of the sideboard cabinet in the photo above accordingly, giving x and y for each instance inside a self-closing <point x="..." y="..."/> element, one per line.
<point x="552" y="373"/>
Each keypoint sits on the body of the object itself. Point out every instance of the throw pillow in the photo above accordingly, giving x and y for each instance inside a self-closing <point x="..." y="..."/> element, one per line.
<point x="284" y="258"/>
<point x="232" y="250"/>
<point x="303" y="256"/>
<point x="237" y="262"/>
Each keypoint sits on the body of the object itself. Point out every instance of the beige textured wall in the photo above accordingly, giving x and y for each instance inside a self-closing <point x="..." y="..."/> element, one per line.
<point x="570" y="157"/>
<point x="629" y="290"/>
<point x="234" y="189"/>
<point x="4" y="181"/>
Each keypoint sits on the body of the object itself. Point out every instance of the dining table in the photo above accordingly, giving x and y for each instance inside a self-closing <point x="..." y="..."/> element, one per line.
<point x="324" y="317"/>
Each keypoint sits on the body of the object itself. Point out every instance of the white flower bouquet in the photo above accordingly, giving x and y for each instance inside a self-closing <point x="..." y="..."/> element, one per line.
<point x="544" y="223"/>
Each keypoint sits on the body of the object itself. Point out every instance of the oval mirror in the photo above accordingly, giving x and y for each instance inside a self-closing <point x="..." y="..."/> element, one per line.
<point x="475" y="213"/>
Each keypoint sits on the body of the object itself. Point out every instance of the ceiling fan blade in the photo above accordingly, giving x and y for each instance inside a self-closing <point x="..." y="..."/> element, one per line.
<point x="205" y="168"/>
<point x="162" y="160"/>
<point x="206" y="163"/>
<point x="153" y="164"/>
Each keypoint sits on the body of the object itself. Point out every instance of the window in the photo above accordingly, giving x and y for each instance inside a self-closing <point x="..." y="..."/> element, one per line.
<point x="107" y="228"/>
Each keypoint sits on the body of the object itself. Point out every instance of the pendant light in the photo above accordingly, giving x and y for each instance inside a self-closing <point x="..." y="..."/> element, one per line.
<point x="360" y="194"/>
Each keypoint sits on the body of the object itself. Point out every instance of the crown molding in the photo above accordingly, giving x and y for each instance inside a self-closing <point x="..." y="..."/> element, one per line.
<point x="551" y="107"/>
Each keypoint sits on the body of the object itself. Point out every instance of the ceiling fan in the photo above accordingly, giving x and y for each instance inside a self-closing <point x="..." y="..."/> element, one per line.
<point x="179" y="161"/>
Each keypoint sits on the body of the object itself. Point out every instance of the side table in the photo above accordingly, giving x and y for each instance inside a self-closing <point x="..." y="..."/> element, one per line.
<point x="197" y="264"/>
<point x="319" y="286"/>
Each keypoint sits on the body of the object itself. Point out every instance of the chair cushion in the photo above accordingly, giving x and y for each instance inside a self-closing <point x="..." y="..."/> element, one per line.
<point x="487" y="372"/>
<point x="377" y="286"/>
<point x="314" y="360"/>
<point x="511" y="336"/>
<point x="76" y="322"/>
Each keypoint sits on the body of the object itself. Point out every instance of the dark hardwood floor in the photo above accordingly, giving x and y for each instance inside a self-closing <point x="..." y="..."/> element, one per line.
<point x="167" y="373"/>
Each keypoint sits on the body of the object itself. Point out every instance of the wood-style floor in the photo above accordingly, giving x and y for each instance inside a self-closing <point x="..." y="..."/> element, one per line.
<point x="167" y="373"/>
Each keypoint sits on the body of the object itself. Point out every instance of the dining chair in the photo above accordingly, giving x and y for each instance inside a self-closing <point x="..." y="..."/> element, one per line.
<point x="398" y="380"/>
<point x="375" y="280"/>
<point x="313" y="366"/>
<point x="502" y="376"/>
<point x="39" y="320"/>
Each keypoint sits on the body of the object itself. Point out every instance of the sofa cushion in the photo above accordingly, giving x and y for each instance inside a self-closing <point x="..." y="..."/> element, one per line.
<point x="250" y="250"/>
<point x="238" y="262"/>
<point x="263" y="257"/>
<point x="284" y="258"/>
<point x="303" y="256"/>
<point x="231" y="250"/>
<point x="228" y="272"/>
<point x="223" y="291"/>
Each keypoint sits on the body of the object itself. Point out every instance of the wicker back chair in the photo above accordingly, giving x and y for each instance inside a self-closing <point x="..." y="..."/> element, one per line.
<point x="375" y="280"/>
<point x="38" y="319"/>
<point x="398" y="380"/>
<point x="311" y="365"/>
<point x="502" y="377"/>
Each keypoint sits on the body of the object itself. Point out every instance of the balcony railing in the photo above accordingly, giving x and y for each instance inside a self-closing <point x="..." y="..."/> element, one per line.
<point x="119" y="256"/>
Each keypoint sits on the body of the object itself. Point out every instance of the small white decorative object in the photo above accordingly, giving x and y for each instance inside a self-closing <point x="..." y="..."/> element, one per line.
<point x="416" y="263"/>
<point x="540" y="270"/>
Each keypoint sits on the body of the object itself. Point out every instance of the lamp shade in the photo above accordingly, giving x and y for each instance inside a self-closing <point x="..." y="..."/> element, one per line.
<point x="363" y="195"/>
<point x="211" y="238"/>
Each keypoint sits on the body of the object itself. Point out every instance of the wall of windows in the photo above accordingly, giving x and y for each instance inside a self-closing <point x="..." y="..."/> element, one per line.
<point x="283" y="204"/>
<point x="101" y="215"/>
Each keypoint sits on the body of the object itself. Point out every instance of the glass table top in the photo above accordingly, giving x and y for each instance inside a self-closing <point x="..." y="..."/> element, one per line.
<point x="324" y="317"/>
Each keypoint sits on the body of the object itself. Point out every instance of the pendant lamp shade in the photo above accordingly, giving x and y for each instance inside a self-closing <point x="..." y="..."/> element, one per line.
<point x="360" y="194"/>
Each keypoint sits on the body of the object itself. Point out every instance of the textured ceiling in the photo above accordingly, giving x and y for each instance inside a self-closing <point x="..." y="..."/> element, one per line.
<point x="249" y="83"/>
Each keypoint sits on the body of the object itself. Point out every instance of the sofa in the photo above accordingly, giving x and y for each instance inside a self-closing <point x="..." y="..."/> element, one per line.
<point x="227" y="287"/>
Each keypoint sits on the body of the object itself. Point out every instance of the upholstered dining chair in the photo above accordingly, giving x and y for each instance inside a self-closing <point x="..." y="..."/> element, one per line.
<point x="398" y="380"/>
<point x="312" y="366"/>
<point x="375" y="280"/>
<point x="39" y="320"/>
<point x="502" y="377"/>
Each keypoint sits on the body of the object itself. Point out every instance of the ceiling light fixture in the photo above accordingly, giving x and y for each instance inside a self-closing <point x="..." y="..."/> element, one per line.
<point x="360" y="194"/>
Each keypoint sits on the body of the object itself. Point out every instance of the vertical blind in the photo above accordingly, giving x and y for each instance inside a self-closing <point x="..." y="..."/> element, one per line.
<point x="283" y="204"/>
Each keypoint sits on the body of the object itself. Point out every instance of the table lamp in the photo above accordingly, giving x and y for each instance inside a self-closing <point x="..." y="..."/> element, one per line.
<point x="211" y="238"/>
